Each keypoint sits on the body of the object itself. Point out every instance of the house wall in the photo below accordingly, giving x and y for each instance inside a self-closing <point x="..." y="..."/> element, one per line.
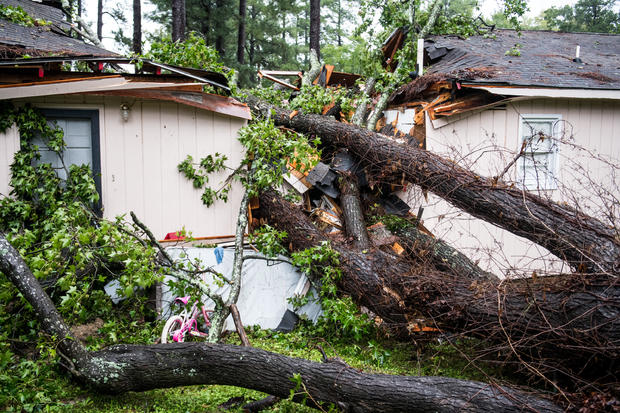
<point x="487" y="141"/>
<point x="139" y="161"/>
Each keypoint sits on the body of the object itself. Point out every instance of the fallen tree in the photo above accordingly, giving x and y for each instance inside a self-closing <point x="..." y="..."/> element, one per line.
<point x="123" y="368"/>
<point x="569" y="324"/>
<point x="584" y="242"/>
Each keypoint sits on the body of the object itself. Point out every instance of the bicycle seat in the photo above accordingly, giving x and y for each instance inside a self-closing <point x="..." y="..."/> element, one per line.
<point x="183" y="300"/>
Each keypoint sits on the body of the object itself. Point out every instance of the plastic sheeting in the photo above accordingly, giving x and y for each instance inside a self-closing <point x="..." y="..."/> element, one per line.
<point x="266" y="286"/>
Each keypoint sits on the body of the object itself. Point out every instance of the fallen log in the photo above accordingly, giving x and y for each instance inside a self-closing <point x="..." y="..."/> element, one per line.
<point x="123" y="368"/>
<point x="584" y="242"/>
<point x="354" y="223"/>
<point x="569" y="324"/>
<point x="439" y="254"/>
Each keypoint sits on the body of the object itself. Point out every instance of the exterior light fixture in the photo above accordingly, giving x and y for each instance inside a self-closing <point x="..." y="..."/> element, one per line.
<point x="125" y="111"/>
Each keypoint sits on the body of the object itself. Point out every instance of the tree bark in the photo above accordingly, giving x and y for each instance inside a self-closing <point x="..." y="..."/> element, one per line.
<point x="137" y="27"/>
<point x="178" y="20"/>
<point x="315" y="27"/>
<point x="123" y="368"/>
<point x="355" y="225"/>
<point x="241" y="33"/>
<point x="570" y="322"/>
<point x="100" y="19"/>
<point x="440" y="255"/>
<point x="220" y="26"/>
<point x="584" y="242"/>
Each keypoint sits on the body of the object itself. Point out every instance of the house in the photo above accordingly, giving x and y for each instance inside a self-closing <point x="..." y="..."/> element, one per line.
<point x="539" y="110"/>
<point x="132" y="128"/>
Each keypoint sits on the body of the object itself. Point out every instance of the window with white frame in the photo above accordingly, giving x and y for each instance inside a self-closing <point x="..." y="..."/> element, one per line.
<point x="538" y="165"/>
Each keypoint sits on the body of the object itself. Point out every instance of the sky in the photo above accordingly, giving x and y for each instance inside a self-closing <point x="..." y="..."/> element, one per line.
<point x="488" y="7"/>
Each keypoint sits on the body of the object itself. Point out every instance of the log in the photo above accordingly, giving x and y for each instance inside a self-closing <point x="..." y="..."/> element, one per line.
<point x="584" y="242"/>
<point x="569" y="323"/>
<point x="123" y="368"/>
<point x="354" y="223"/>
<point x="440" y="254"/>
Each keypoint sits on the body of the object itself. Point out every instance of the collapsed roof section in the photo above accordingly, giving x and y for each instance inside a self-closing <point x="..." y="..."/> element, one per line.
<point x="472" y="74"/>
<point x="45" y="60"/>
<point x="44" y="40"/>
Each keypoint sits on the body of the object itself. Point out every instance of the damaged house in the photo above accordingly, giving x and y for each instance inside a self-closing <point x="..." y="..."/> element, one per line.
<point x="540" y="110"/>
<point x="134" y="129"/>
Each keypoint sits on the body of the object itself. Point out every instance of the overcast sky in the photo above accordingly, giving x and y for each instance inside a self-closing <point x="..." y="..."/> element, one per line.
<point x="90" y="7"/>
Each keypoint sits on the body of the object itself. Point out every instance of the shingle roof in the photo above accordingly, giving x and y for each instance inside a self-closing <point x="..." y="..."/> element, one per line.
<point x="51" y="40"/>
<point x="546" y="59"/>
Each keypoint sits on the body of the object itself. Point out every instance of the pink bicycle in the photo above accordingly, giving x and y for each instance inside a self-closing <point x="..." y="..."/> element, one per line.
<point x="185" y="323"/>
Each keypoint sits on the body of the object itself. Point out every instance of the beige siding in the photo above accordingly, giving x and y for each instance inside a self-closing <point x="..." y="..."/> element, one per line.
<point x="9" y="144"/>
<point x="139" y="161"/>
<point x="488" y="140"/>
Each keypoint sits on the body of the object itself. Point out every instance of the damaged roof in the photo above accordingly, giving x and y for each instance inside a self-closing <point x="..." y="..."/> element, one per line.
<point x="17" y="41"/>
<point x="547" y="59"/>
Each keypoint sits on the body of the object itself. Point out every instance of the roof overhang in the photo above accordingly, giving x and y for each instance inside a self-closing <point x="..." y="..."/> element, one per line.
<point x="117" y="85"/>
<point x="214" y="103"/>
<point x="84" y="85"/>
<point x="546" y="92"/>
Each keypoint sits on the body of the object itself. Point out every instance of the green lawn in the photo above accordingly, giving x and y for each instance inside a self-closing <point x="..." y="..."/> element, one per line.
<point x="53" y="390"/>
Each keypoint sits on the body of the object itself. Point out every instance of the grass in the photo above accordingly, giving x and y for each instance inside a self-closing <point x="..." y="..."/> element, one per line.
<point x="60" y="393"/>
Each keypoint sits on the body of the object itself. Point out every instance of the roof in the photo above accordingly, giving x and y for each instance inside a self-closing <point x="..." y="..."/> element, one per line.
<point x="546" y="59"/>
<point x="17" y="40"/>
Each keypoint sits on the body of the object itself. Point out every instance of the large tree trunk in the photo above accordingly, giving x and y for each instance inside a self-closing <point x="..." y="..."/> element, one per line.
<point x="241" y="33"/>
<point x="315" y="27"/>
<point x="351" y="205"/>
<point x="220" y="26"/>
<point x="123" y="368"/>
<point x="178" y="20"/>
<point x="570" y="322"/>
<point x="100" y="19"/>
<point x="584" y="242"/>
<point x="137" y="27"/>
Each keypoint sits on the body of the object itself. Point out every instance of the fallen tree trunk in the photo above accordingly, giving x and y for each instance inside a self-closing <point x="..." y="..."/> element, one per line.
<point x="439" y="254"/>
<point x="354" y="223"/>
<point x="123" y="368"/>
<point x="584" y="242"/>
<point x="570" y="323"/>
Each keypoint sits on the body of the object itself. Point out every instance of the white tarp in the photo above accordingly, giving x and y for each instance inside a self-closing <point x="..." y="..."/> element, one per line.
<point x="266" y="286"/>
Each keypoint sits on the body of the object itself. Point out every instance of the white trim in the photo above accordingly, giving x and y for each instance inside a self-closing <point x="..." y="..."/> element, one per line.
<point x="557" y="130"/>
<point x="550" y="92"/>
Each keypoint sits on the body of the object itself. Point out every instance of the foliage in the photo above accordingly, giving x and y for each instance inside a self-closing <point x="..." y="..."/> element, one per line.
<point x="514" y="50"/>
<point x="193" y="52"/>
<point x="312" y="99"/>
<point x="585" y="16"/>
<point x="272" y="95"/>
<point x="269" y="151"/>
<point x="71" y="251"/>
<point x="17" y="15"/>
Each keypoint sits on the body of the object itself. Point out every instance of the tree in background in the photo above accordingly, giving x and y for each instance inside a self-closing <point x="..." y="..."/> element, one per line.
<point x="586" y="16"/>
<point x="315" y="26"/>
<point x="137" y="27"/>
<point x="179" y="23"/>
<point x="241" y="32"/>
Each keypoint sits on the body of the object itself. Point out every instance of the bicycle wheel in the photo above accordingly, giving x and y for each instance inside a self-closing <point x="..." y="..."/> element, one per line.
<point x="173" y="324"/>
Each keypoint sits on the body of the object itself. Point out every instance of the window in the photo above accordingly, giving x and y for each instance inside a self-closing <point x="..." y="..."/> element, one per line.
<point x="81" y="135"/>
<point x="538" y="166"/>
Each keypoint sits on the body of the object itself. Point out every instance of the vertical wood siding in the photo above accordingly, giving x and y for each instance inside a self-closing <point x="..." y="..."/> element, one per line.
<point x="488" y="140"/>
<point x="139" y="161"/>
